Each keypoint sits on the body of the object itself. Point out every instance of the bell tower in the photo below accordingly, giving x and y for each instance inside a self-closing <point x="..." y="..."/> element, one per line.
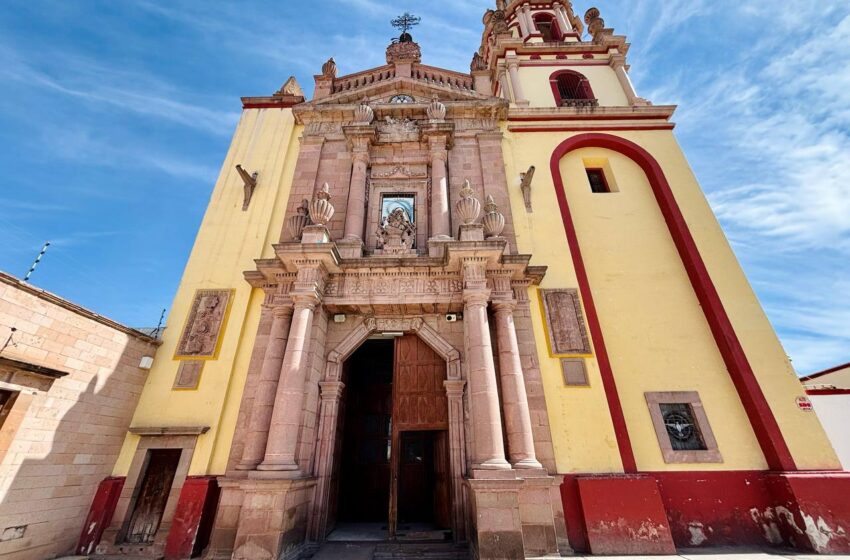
<point x="537" y="54"/>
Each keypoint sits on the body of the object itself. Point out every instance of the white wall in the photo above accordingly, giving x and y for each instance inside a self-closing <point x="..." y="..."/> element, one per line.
<point x="834" y="414"/>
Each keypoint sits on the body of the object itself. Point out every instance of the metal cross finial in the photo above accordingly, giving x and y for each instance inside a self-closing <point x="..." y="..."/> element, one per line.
<point x="405" y="22"/>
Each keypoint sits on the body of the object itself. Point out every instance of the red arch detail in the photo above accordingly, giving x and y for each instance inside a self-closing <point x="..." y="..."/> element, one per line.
<point x="758" y="410"/>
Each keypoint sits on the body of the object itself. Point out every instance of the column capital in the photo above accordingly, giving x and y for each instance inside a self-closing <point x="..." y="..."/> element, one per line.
<point x="454" y="387"/>
<point x="306" y="300"/>
<point x="504" y="304"/>
<point x="361" y="156"/>
<point x="617" y="61"/>
<point x="331" y="390"/>
<point x="476" y="297"/>
<point x="283" y="310"/>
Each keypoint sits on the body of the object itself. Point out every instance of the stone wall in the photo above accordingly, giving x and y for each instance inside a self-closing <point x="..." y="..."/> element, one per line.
<point x="64" y="434"/>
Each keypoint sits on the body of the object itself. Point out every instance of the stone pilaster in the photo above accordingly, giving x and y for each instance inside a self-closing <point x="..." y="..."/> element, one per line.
<point x="516" y="84"/>
<point x="264" y="394"/>
<point x="489" y="449"/>
<point x="360" y="138"/>
<point x="440" y="221"/>
<point x="281" y="448"/>
<point x="618" y="63"/>
<point x="565" y="26"/>
<point x="328" y="420"/>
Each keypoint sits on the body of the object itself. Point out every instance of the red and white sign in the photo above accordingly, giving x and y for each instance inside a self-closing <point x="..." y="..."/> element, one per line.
<point x="803" y="403"/>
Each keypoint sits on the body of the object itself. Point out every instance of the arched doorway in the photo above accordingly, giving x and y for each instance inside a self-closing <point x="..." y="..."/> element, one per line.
<point x="334" y="396"/>
<point x="393" y="478"/>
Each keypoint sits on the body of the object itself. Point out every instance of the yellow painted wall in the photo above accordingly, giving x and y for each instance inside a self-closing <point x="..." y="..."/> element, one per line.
<point x="655" y="332"/>
<point x="266" y="140"/>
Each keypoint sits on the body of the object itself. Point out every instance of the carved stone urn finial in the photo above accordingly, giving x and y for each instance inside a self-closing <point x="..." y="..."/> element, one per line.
<point x="436" y="110"/>
<point x="494" y="221"/>
<point x="364" y="114"/>
<point x="329" y="68"/>
<point x="595" y="24"/>
<point x="321" y="209"/>
<point x="296" y="223"/>
<point x="468" y="208"/>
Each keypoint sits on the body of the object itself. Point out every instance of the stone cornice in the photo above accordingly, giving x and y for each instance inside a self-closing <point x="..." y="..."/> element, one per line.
<point x="660" y="113"/>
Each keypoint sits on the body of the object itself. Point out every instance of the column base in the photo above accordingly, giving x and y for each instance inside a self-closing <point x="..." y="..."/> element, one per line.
<point x="492" y="465"/>
<point x="350" y="247"/>
<point x="437" y="245"/>
<point x="528" y="464"/>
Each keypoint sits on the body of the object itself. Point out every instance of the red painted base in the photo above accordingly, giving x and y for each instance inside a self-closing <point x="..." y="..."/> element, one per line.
<point x="808" y="511"/>
<point x="192" y="523"/>
<point x="624" y="515"/>
<point x="100" y="513"/>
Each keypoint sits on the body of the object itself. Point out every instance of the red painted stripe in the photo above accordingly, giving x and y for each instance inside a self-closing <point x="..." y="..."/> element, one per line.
<point x="269" y="105"/>
<point x="615" y="408"/>
<point x="828" y="391"/>
<point x="584" y="129"/>
<point x="758" y="410"/>
<point x="562" y="62"/>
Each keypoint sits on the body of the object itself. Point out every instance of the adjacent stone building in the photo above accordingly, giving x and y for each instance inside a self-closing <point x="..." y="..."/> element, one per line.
<point x="489" y="310"/>
<point x="69" y="382"/>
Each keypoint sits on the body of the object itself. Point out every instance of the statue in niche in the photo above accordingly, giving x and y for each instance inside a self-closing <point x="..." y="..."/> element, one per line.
<point x="396" y="233"/>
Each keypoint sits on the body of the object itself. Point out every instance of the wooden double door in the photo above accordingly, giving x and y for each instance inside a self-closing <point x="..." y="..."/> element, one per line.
<point x="394" y="468"/>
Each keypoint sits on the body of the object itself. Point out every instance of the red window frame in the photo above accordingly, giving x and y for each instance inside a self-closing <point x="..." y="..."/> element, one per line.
<point x="557" y="34"/>
<point x="587" y="91"/>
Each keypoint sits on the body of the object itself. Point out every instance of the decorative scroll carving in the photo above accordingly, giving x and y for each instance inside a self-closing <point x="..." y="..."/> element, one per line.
<point x="204" y="327"/>
<point x="401" y="172"/>
<point x="565" y="322"/>
<point x="322" y="128"/>
<point x="188" y="374"/>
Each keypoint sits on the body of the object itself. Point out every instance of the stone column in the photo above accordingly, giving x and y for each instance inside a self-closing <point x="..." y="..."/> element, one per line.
<point x="264" y="393"/>
<point x="457" y="452"/>
<point x="514" y="398"/>
<point x="532" y="27"/>
<point x="523" y="25"/>
<point x="440" y="223"/>
<point x="513" y="69"/>
<point x="503" y="83"/>
<point x="565" y="26"/>
<point x="355" y="210"/>
<point x="618" y="62"/>
<point x="281" y="448"/>
<point x="489" y="452"/>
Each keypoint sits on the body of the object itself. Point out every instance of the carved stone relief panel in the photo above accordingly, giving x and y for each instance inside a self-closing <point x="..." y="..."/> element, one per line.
<point x="392" y="129"/>
<point x="188" y="374"/>
<point x="564" y="322"/>
<point x="368" y="283"/>
<point x="205" y="324"/>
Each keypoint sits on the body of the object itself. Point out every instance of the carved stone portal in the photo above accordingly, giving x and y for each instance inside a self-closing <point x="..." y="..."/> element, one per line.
<point x="565" y="322"/>
<point x="204" y="326"/>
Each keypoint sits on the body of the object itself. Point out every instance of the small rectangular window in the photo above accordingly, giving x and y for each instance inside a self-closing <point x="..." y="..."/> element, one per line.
<point x="598" y="184"/>
<point x="682" y="428"/>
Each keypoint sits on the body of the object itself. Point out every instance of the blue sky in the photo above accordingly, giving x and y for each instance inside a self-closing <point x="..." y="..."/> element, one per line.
<point x="115" y="117"/>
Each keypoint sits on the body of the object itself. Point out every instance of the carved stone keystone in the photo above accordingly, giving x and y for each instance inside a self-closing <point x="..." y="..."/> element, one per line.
<point x="468" y="207"/>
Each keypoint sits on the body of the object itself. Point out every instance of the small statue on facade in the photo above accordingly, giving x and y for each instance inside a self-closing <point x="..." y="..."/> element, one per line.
<point x="396" y="233"/>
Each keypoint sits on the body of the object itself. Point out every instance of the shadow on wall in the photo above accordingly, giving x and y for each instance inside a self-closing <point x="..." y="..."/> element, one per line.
<point x="66" y="442"/>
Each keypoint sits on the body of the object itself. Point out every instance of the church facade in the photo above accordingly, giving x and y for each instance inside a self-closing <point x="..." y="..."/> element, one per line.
<point x="491" y="309"/>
